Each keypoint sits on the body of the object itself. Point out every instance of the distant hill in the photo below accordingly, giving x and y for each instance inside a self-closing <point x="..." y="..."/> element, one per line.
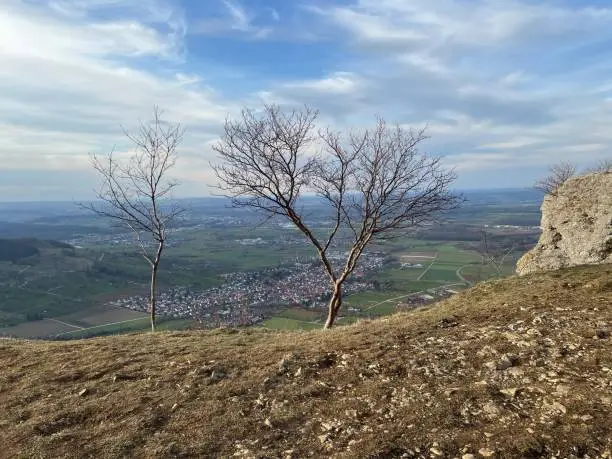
<point x="17" y="249"/>
<point x="511" y="368"/>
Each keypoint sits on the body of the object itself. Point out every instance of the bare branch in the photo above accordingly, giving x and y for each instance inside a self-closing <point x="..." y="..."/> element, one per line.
<point x="604" y="166"/>
<point x="559" y="174"/>
<point x="492" y="255"/>
<point x="136" y="193"/>
<point x="375" y="182"/>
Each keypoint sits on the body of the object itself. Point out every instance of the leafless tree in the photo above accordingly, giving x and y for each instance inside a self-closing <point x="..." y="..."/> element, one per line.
<point x="559" y="174"/>
<point x="493" y="254"/>
<point x="136" y="192"/>
<point x="605" y="166"/>
<point x="375" y="182"/>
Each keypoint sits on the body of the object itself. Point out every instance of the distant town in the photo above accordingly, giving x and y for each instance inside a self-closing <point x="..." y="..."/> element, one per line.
<point x="244" y="297"/>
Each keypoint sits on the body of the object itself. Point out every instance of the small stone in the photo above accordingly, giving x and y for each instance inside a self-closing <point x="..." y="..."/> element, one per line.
<point x="562" y="390"/>
<point x="516" y="372"/>
<point x="283" y="366"/>
<point x="558" y="407"/>
<point x="435" y="451"/>
<point x="298" y="373"/>
<point x="323" y="438"/>
<point x="491" y="365"/>
<point x="216" y="375"/>
<point x="491" y="409"/>
<point x="268" y="423"/>
<point x="511" y="392"/>
<point x="506" y="362"/>
<point x="327" y="426"/>
<point x="603" y="334"/>
<point x="468" y="456"/>
<point x="124" y="377"/>
<point x="486" y="452"/>
<point x="174" y="407"/>
<point x="83" y="392"/>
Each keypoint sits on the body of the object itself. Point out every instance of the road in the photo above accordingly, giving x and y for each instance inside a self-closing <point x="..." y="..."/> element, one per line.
<point x="460" y="276"/>
<point x="66" y="323"/>
<point x="429" y="267"/>
<point x="405" y="296"/>
<point x="98" y="326"/>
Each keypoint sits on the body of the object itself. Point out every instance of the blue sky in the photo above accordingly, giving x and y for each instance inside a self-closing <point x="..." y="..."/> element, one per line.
<point x="506" y="87"/>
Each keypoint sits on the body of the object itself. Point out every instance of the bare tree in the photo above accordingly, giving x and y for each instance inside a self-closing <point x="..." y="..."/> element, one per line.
<point x="376" y="182"/>
<point x="605" y="166"/>
<point x="559" y="174"/>
<point x="135" y="192"/>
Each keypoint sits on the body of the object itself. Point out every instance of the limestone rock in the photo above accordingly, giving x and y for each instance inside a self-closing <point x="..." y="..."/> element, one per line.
<point x="576" y="226"/>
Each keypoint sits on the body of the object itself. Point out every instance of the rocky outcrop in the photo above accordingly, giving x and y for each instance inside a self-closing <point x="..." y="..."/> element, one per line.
<point x="576" y="226"/>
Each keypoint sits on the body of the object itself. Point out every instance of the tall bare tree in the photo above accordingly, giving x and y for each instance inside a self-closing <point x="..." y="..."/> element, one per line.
<point x="135" y="192"/>
<point x="375" y="182"/>
<point x="559" y="174"/>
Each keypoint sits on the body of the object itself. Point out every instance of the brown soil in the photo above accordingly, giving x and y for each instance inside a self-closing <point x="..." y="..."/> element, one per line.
<point x="511" y="368"/>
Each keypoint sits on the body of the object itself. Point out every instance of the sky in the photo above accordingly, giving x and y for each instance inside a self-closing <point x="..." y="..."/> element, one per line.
<point x="505" y="87"/>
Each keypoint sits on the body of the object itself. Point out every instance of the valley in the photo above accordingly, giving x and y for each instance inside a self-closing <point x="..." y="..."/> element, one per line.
<point x="223" y="267"/>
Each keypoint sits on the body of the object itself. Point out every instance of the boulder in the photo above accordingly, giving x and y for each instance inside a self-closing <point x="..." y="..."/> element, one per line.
<point x="576" y="226"/>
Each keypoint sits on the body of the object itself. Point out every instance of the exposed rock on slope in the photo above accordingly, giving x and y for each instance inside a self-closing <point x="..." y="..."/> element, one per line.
<point x="520" y="367"/>
<point x="576" y="226"/>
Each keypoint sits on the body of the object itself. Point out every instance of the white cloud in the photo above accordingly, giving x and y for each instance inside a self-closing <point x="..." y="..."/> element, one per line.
<point x="238" y="19"/>
<point x="67" y="86"/>
<point x="501" y="85"/>
<point x="338" y="84"/>
<point x="495" y="81"/>
<point x="274" y="13"/>
<point x="241" y="20"/>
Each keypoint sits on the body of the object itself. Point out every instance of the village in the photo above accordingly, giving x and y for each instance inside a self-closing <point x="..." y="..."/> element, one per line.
<point x="246" y="298"/>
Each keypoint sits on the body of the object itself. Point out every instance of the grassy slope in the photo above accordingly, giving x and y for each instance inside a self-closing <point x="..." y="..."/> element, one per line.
<point x="403" y="385"/>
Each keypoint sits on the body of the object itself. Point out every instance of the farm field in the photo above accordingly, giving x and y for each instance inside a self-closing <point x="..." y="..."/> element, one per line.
<point x="443" y="265"/>
<point x="77" y="322"/>
<point x="73" y="302"/>
<point x="283" y="323"/>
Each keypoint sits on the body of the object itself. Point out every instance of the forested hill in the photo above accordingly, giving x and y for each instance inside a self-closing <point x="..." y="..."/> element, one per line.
<point x="17" y="249"/>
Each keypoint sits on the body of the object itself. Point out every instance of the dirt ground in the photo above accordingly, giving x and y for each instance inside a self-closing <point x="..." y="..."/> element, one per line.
<point x="520" y="367"/>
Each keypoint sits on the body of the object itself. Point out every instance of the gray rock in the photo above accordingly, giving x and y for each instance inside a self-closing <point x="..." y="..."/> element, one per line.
<point x="576" y="226"/>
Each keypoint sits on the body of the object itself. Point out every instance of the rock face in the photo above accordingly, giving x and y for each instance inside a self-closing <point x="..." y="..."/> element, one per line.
<point x="576" y="226"/>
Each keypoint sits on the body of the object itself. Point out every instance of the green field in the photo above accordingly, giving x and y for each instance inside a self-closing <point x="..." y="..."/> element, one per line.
<point x="68" y="290"/>
<point x="302" y="314"/>
<point x="443" y="265"/>
<point x="290" y="324"/>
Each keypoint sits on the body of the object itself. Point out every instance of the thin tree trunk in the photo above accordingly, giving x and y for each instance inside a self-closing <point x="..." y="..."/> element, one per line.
<point x="334" y="306"/>
<point x="153" y="293"/>
<point x="153" y="297"/>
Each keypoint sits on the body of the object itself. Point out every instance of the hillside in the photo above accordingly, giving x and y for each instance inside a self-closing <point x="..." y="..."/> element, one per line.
<point x="520" y="367"/>
<point x="17" y="249"/>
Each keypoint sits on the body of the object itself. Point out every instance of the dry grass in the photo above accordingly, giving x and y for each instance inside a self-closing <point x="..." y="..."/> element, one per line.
<point x="421" y="384"/>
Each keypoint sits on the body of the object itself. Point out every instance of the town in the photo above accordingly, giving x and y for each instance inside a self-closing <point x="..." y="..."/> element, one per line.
<point x="246" y="298"/>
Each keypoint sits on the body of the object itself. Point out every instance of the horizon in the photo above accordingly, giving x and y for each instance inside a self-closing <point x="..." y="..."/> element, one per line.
<point x="186" y="198"/>
<point x="505" y="88"/>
